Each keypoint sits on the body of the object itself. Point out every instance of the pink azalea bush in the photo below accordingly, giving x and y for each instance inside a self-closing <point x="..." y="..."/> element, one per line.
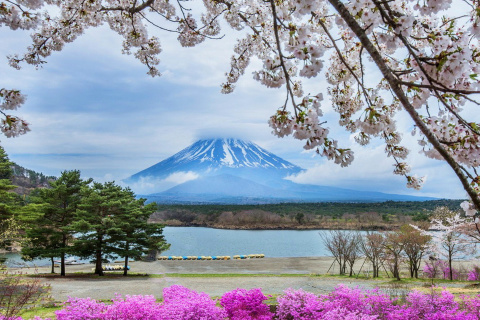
<point x="81" y="309"/>
<point x="132" y="307"/>
<point x="343" y="303"/>
<point x="181" y="303"/>
<point x="241" y="304"/>
<point x="474" y="275"/>
<point x="355" y="302"/>
<point x="438" y="269"/>
<point x="298" y="305"/>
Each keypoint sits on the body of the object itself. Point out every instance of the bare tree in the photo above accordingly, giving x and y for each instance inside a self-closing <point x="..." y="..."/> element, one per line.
<point x="18" y="293"/>
<point x="344" y="246"/>
<point x="414" y="246"/>
<point x="394" y="246"/>
<point x="352" y="249"/>
<point x="372" y="247"/>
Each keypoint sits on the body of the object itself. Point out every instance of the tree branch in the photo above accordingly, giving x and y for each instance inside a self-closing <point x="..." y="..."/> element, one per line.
<point x="400" y="94"/>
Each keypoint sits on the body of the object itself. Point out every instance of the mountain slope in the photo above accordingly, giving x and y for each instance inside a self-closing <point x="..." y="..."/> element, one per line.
<point x="221" y="156"/>
<point x="234" y="171"/>
<point x="228" y="189"/>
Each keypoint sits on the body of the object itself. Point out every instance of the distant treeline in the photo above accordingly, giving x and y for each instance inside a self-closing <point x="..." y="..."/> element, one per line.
<point x="372" y="215"/>
<point x="333" y="209"/>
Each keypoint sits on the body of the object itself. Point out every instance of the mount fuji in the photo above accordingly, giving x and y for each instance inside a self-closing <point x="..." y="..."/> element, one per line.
<point x="238" y="172"/>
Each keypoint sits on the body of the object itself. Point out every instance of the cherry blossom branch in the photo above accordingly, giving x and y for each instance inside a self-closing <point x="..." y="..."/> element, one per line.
<point x="399" y="93"/>
<point x="280" y="54"/>
<point x="339" y="53"/>
<point x="419" y="60"/>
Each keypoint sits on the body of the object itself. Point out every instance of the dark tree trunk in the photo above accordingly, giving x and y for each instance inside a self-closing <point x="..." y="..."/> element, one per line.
<point x="53" y="265"/>
<point x="62" y="264"/>
<point x="396" y="271"/>
<point x="450" y="271"/>
<point x="98" y="263"/>
<point x="417" y="266"/>
<point x="125" y="267"/>
<point x="98" y="257"/>
<point x="62" y="257"/>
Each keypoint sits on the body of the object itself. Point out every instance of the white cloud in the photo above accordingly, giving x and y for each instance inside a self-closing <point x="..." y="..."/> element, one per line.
<point x="148" y="185"/>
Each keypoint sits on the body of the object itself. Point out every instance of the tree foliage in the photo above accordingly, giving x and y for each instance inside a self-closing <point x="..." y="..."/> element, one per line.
<point x="50" y="229"/>
<point x="111" y="222"/>
<point x="10" y="205"/>
<point x="135" y="236"/>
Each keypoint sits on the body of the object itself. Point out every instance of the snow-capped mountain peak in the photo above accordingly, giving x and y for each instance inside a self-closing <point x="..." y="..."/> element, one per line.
<point x="233" y="153"/>
<point x="213" y="157"/>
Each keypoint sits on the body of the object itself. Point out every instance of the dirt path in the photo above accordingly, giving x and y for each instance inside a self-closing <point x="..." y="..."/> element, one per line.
<point x="106" y="288"/>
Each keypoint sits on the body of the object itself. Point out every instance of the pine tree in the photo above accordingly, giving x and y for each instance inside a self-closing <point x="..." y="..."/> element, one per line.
<point x="5" y="165"/>
<point x="136" y="236"/>
<point x="44" y="240"/>
<point x="10" y="204"/>
<point x="51" y="230"/>
<point x="95" y="220"/>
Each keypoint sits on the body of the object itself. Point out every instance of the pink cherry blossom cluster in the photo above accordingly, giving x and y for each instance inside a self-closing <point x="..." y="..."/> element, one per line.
<point x="11" y="126"/>
<point x="342" y="303"/>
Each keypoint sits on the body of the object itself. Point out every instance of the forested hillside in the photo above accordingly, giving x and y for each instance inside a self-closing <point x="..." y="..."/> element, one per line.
<point x="26" y="180"/>
<point x="374" y="215"/>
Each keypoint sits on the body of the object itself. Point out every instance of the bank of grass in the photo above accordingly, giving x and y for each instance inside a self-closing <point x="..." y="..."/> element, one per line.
<point x="42" y="312"/>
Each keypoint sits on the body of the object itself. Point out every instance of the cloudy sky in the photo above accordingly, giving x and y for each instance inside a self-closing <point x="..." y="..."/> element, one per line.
<point x="93" y="109"/>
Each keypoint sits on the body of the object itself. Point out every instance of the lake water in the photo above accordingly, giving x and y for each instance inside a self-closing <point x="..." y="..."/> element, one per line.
<point x="198" y="241"/>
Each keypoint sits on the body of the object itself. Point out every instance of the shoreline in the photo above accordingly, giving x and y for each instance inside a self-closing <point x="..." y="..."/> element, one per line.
<point x="268" y="265"/>
<point x="276" y="228"/>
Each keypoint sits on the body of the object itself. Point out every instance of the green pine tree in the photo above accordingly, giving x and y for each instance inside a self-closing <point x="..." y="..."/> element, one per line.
<point x="136" y="237"/>
<point x="50" y="231"/>
<point x="44" y="240"/>
<point x="10" y="204"/>
<point x="95" y="220"/>
<point x="5" y="165"/>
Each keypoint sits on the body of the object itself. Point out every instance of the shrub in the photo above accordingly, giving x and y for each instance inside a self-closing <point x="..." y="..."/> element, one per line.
<point x="421" y="306"/>
<point x="298" y="305"/>
<point x="181" y="303"/>
<point x="133" y="307"/>
<point x="358" y="302"/>
<point x="474" y="275"/>
<point x="241" y="304"/>
<point x="439" y="268"/>
<point x="81" y="309"/>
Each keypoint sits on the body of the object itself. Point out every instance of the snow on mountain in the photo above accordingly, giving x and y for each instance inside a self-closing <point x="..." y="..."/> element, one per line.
<point x="215" y="157"/>
<point x="232" y="153"/>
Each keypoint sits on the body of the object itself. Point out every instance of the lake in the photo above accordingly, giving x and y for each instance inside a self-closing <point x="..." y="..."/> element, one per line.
<point x="199" y="241"/>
